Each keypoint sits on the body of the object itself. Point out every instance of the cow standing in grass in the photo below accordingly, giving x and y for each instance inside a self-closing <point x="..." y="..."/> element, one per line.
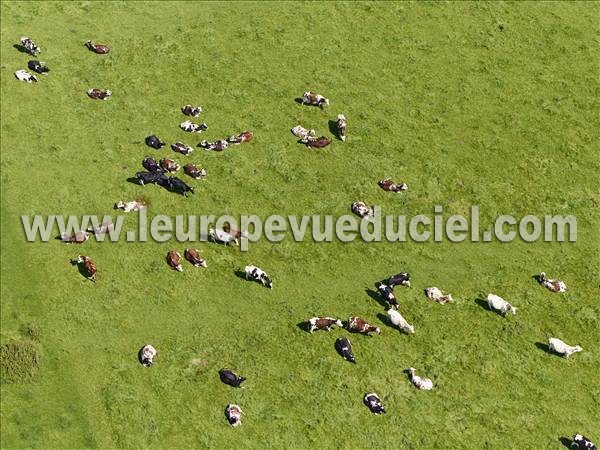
<point x="498" y="304"/>
<point x="341" y="127"/>
<point x="358" y="325"/>
<point x="387" y="293"/>
<point x="323" y="323"/>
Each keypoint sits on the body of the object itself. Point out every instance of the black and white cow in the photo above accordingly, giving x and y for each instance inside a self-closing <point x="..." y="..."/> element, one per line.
<point x="400" y="279"/>
<point x="23" y="75"/>
<point x="234" y="413"/>
<point x="387" y="293"/>
<point x="255" y="274"/>
<point x="373" y="402"/>
<point x="38" y="67"/>
<point x="580" y="442"/>
<point x="311" y="98"/>
<point x="344" y="348"/>
<point x="193" y="111"/>
<point x="191" y="127"/>
<point x="147" y="354"/>
<point x="30" y="46"/>
<point x="231" y="378"/>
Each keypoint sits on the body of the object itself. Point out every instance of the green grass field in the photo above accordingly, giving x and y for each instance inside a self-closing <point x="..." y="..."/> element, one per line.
<point x="494" y="104"/>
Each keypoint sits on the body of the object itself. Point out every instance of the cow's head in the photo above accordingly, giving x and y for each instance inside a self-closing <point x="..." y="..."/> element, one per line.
<point x="512" y="309"/>
<point x="410" y="329"/>
<point x="267" y="282"/>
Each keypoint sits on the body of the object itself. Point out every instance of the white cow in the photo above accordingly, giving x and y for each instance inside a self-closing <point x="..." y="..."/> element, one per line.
<point x="436" y="294"/>
<point x="311" y="98"/>
<point x="256" y="274"/>
<point x="341" y="125"/>
<point x="147" y="355"/>
<point x="23" y="75"/>
<point x="300" y="132"/>
<point x="424" y="384"/>
<point x="553" y="285"/>
<point x="134" y="205"/>
<point x="397" y="319"/>
<point x="497" y="303"/>
<point x="558" y="346"/>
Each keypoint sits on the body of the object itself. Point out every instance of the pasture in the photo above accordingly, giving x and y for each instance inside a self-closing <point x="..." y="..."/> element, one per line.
<point x="493" y="104"/>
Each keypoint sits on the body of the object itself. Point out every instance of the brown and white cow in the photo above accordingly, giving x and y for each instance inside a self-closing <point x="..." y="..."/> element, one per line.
<point x="391" y="186"/>
<point x="192" y="255"/>
<point x="99" y="94"/>
<point x="319" y="142"/>
<point x="194" y="171"/>
<point x="436" y="294"/>
<point x="358" y="325"/>
<point x="101" y="49"/>
<point x="190" y="110"/>
<point x="311" y="98"/>
<point x="244" y="136"/>
<point x="552" y="285"/>
<point x="174" y="260"/>
<point x="89" y="267"/>
<point x="341" y="127"/>
<point x="78" y="237"/>
<point x="169" y="165"/>
<point x="180" y="147"/>
<point x="323" y="323"/>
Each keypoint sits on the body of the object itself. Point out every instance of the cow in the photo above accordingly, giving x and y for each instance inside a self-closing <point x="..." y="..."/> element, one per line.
<point x="37" y="66"/>
<point x="103" y="228"/>
<point x="319" y="142"/>
<point x="134" y="205"/>
<point x="23" y="75"/>
<point x="151" y="165"/>
<point x="399" y="321"/>
<point x="169" y="165"/>
<point x="344" y="348"/>
<point x="244" y="136"/>
<point x="302" y="133"/>
<point x="88" y="266"/>
<point x="31" y="47"/>
<point x="310" y="98"/>
<point x="552" y="285"/>
<point x="147" y="354"/>
<point x="234" y="413"/>
<point x="179" y="186"/>
<point x="191" y="127"/>
<point x="174" y="260"/>
<point x="180" y="147"/>
<point x="154" y="142"/>
<point x="222" y="237"/>
<point x="193" y="171"/>
<point x="434" y="293"/>
<point x="387" y="293"/>
<point x="144" y="178"/>
<point x="237" y="234"/>
<point x="498" y="304"/>
<point x="358" y="325"/>
<point x="560" y="347"/>
<point x="255" y="274"/>
<point x="323" y="323"/>
<point x="373" y="402"/>
<point x="423" y="384"/>
<point x="362" y="210"/>
<point x="99" y="94"/>
<point x="190" y="110"/>
<point x="231" y="378"/>
<point x="78" y="237"/>
<point x="100" y="49"/>
<point x="400" y="279"/>
<point x="580" y="442"/>
<point x="192" y="255"/>
<point x="391" y="186"/>
<point x="341" y="127"/>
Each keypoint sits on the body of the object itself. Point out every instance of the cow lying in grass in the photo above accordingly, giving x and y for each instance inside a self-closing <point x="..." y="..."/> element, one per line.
<point x="87" y="266"/>
<point x="231" y="378"/>
<point x="191" y="127"/>
<point x="100" y="49"/>
<point x="194" y="258"/>
<point x="552" y="285"/>
<point x="387" y="293"/>
<point x="373" y="402"/>
<point x="434" y="293"/>
<point x="234" y="413"/>
<point x="358" y="325"/>
<point x="344" y="348"/>
<point x="341" y="127"/>
<point x="302" y="133"/>
<point x="362" y="210"/>
<point x="31" y="47"/>
<point x="498" y="304"/>
<point x="423" y="384"/>
<point x="391" y="186"/>
<point x="154" y="142"/>
<point x="311" y="98"/>
<point x="134" y="205"/>
<point x="193" y="111"/>
<point x="37" y="66"/>
<point x="244" y="136"/>
<point x="174" y="260"/>
<point x="23" y="75"/>
<point x="99" y="94"/>
<point x="255" y="274"/>
<point x="147" y="354"/>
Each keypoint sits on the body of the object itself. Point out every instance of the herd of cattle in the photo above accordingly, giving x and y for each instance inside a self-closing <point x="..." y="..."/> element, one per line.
<point x="156" y="173"/>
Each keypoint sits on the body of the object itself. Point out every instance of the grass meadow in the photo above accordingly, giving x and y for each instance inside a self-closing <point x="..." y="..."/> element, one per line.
<point x="494" y="104"/>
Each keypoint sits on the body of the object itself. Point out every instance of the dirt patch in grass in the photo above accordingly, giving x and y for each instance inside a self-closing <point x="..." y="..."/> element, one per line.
<point x="20" y="362"/>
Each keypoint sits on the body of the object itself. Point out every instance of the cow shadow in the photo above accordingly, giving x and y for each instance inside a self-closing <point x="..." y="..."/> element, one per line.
<point x="537" y="278"/>
<point x="375" y="296"/>
<point x="298" y="100"/>
<point x="333" y="129"/>
<point x="565" y="441"/>
<point x="545" y="348"/>
<point x="241" y="274"/>
<point x="304" y="326"/>
<point x="483" y="303"/>
<point x="386" y="321"/>
<point x="139" y="356"/>
<point x="21" y="48"/>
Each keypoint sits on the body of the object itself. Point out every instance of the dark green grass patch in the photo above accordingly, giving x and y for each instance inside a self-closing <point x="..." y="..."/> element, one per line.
<point x="20" y="362"/>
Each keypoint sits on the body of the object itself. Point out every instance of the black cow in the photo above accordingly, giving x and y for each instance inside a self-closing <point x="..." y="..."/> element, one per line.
<point x="154" y="142"/>
<point x="231" y="378"/>
<point x="343" y="347"/>
<point x="150" y="177"/>
<point x="181" y="187"/>
<point x="37" y="66"/>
